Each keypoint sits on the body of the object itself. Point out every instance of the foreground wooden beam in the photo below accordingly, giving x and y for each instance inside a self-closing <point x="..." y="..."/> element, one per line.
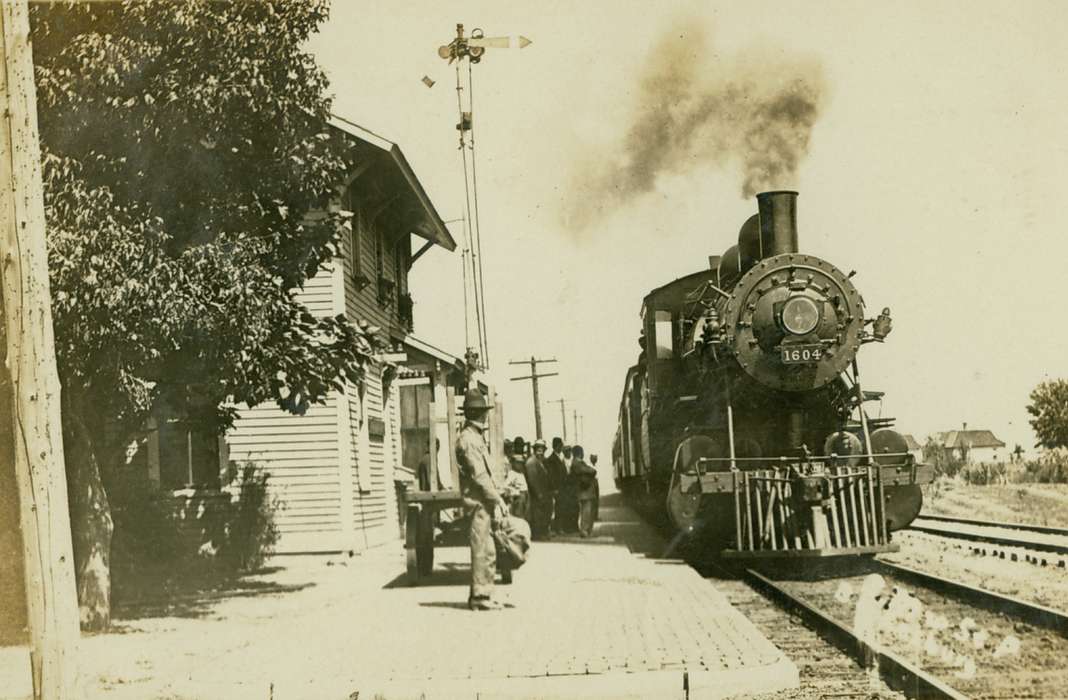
<point x="31" y="395"/>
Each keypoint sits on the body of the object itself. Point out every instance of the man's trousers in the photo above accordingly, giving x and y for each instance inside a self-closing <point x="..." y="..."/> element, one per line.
<point x="586" y="516"/>
<point x="483" y="553"/>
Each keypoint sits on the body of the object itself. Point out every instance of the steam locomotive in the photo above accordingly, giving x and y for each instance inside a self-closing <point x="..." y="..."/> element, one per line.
<point x="743" y="419"/>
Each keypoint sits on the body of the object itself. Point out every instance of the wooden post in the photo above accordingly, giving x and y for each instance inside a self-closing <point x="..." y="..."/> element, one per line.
<point x="51" y="600"/>
<point x="439" y="430"/>
<point x="453" y="434"/>
<point x="501" y="467"/>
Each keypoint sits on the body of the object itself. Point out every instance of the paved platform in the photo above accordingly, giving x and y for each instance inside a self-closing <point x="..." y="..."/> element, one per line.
<point x="604" y="618"/>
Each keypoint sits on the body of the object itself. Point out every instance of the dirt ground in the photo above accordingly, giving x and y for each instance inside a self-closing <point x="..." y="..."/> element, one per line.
<point x="1036" y="504"/>
<point x="1040" y="504"/>
<point x="963" y="645"/>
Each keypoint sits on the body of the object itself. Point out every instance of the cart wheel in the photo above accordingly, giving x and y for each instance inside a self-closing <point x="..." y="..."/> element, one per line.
<point x="411" y="548"/>
<point x="424" y="543"/>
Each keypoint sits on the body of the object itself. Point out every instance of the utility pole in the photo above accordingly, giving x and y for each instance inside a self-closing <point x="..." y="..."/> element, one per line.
<point x="563" y="416"/>
<point x="574" y="416"/>
<point x="534" y="377"/>
<point x="37" y="585"/>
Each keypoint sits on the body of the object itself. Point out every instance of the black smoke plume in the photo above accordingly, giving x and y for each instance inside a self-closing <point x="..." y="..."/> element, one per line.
<point x="696" y="107"/>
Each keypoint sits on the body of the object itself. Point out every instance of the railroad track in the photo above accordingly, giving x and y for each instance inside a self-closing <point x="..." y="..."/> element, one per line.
<point x="1031" y="613"/>
<point x="1044" y="631"/>
<point x="1042" y="529"/>
<point x="1040" y="538"/>
<point x="895" y="671"/>
<point x="824" y="670"/>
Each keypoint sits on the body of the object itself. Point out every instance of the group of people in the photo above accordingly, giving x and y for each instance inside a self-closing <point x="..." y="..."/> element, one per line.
<point x="557" y="494"/>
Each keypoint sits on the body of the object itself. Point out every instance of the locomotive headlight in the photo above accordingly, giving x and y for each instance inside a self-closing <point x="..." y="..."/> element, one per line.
<point x="800" y="315"/>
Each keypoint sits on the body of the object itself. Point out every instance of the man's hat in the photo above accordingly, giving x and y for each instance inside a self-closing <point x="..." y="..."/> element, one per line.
<point x="557" y="443"/>
<point x="475" y="400"/>
<point x="539" y="443"/>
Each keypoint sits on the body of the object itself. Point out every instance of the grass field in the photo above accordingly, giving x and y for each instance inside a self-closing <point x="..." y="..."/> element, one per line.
<point x="1038" y="504"/>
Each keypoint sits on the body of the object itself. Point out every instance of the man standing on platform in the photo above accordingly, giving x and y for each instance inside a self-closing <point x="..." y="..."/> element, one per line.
<point x="554" y="465"/>
<point x="597" y="491"/>
<point x="516" y="486"/>
<point x="481" y="499"/>
<point x="540" y="492"/>
<point x="585" y="483"/>
<point x="567" y="506"/>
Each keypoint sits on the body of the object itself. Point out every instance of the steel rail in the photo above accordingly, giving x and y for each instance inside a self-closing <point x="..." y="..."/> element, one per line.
<point x="1032" y="613"/>
<point x="898" y="673"/>
<point x="1041" y="529"/>
<point x="990" y="539"/>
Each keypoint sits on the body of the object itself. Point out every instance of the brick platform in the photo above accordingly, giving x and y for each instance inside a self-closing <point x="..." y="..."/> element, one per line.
<point x="590" y="619"/>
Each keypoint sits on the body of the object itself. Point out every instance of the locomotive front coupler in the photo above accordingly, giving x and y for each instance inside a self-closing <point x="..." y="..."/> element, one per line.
<point x="810" y="485"/>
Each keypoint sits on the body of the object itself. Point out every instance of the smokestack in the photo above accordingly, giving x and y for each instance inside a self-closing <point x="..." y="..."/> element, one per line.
<point x="778" y="222"/>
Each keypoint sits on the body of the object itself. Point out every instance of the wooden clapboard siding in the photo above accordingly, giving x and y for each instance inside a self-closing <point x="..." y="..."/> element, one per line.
<point x="369" y="485"/>
<point x="301" y="455"/>
<point x="318" y="292"/>
<point x="334" y="482"/>
<point x="363" y="303"/>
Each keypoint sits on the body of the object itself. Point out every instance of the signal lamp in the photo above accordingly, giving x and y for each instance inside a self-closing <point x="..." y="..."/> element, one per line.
<point x="882" y="325"/>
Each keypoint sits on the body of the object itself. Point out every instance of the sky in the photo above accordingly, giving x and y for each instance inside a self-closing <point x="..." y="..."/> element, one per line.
<point x="933" y="168"/>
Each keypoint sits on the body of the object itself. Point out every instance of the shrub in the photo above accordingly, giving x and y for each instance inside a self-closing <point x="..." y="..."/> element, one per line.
<point x="251" y="531"/>
<point x="944" y="461"/>
<point x="984" y="473"/>
<point x="1050" y="468"/>
<point x="146" y="531"/>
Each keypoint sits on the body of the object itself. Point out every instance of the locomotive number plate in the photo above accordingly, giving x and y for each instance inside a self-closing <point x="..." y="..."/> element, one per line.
<point x="800" y="354"/>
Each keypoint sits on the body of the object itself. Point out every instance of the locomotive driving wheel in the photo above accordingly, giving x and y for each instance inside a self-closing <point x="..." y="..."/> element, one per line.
<point x="684" y="493"/>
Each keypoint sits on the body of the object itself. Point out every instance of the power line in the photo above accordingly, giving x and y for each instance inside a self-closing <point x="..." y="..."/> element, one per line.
<point x="478" y="225"/>
<point x="467" y="219"/>
<point x="465" y="125"/>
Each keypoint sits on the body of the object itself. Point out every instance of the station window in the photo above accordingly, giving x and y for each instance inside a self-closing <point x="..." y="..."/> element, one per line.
<point x="188" y="458"/>
<point x="663" y="332"/>
<point x="357" y="233"/>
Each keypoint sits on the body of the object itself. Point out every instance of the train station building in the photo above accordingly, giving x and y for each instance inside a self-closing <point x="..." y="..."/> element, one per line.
<point x="338" y="469"/>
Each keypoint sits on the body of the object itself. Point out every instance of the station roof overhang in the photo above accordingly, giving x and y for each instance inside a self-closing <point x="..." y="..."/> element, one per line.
<point x="424" y="356"/>
<point x="415" y="210"/>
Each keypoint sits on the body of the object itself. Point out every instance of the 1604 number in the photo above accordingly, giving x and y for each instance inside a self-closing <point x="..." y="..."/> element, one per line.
<point x="799" y="354"/>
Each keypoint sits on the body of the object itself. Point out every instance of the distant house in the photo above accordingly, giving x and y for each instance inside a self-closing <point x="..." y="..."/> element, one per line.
<point x="972" y="445"/>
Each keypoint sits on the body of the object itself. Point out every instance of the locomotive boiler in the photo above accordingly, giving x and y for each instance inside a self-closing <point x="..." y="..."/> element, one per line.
<point x="744" y="418"/>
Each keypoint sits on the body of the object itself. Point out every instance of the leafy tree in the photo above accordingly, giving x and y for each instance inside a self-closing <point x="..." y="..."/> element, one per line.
<point x="184" y="145"/>
<point x="1049" y="411"/>
<point x="944" y="460"/>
